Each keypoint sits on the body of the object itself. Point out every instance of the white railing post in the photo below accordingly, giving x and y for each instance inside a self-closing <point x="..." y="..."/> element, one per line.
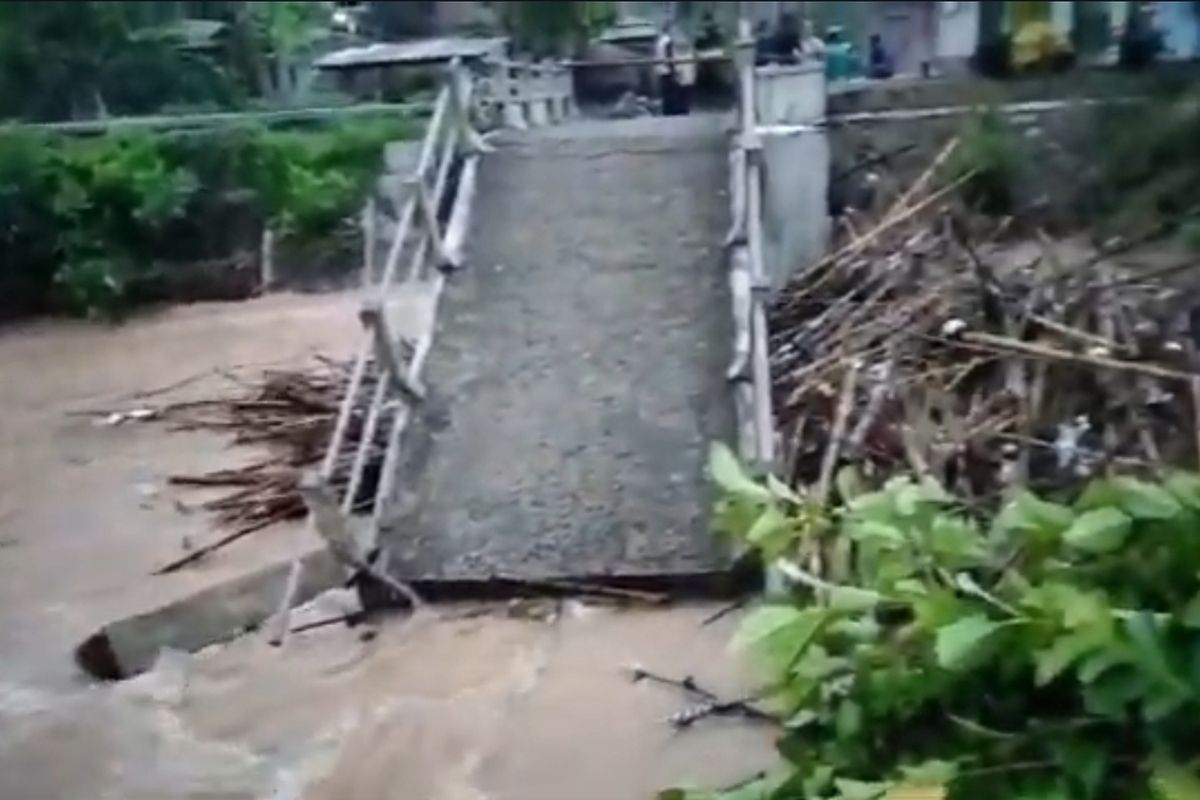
<point x="513" y="112"/>
<point x="534" y="91"/>
<point x="567" y="89"/>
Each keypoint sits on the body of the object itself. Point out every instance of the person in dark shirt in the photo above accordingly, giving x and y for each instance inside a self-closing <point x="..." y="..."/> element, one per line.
<point x="785" y="43"/>
<point x="710" y="36"/>
<point x="879" y="62"/>
<point x="762" y="44"/>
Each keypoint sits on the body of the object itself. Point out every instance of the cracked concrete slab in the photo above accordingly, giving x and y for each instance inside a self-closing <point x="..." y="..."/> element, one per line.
<point x="577" y="373"/>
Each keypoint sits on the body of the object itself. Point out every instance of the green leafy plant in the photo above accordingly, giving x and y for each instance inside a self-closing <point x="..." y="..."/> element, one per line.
<point x="83" y="221"/>
<point x="1148" y="175"/>
<point x="554" y="28"/>
<point x="990" y="150"/>
<point x="1052" y="651"/>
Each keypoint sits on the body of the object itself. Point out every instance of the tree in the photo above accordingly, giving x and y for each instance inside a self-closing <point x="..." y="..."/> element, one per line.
<point x="74" y="59"/>
<point x="52" y="56"/>
<point x="554" y="28"/>
<point x="289" y="28"/>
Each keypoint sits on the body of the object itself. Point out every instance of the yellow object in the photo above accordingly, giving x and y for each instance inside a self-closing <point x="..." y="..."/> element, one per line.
<point x="1026" y="11"/>
<point x="1037" y="44"/>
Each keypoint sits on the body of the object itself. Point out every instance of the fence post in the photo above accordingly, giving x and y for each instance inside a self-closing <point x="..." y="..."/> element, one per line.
<point x="513" y="109"/>
<point x="267" y="259"/>
<point x="744" y="59"/>
<point x="462" y="90"/>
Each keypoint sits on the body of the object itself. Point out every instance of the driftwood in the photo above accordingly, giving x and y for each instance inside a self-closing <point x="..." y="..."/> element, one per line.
<point x="290" y="412"/>
<point x="709" y="703"/>
<point x="915" y="346"/>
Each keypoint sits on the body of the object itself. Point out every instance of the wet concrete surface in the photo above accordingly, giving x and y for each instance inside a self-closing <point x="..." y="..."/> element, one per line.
<point x="577" y="375"/>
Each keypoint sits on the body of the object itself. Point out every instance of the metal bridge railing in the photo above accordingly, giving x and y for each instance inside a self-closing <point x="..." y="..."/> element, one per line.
<point x="385" y="385"/>
<point x="750" y="370"/>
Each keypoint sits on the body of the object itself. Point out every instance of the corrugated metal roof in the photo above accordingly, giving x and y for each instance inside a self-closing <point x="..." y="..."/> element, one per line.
<point x="629" y="30"/>
<point x="421" y="51"/>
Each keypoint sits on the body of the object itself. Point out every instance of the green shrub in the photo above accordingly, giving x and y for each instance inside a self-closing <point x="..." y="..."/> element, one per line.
<point x="990" y="149"/>
<point x="29" y="223"/>
<point x="83" y="220"/>
<point x="1050" y="652"/>
<point x="1149" y="163"/>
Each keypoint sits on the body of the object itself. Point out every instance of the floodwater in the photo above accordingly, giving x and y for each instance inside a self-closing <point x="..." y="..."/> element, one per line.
<point x="519" y="701"/>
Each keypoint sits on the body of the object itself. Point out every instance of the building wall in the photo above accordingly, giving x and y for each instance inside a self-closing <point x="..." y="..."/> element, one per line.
<point x="958" y="30"/>
<point x="1180" y="26"/>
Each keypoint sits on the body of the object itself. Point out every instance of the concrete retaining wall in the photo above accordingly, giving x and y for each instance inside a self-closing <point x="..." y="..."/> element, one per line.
<point x="790" y="106"/>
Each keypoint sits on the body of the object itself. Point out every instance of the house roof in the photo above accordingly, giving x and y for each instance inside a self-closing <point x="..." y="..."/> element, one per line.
<point x="420" y="51"/>
<point x="196" y="34"/>
<point x="630" y="29"/>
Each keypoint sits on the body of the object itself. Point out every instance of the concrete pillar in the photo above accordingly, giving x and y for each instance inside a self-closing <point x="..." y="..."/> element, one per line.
<point x="790" y="95"/>
<point x="795" y="200"/>
<point x="790" y="109"/>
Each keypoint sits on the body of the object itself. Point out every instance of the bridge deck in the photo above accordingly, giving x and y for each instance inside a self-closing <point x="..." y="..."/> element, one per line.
<point x="576" y="375"/>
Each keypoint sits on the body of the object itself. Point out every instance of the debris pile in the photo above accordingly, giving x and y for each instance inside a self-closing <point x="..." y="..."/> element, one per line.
<point x="914" y="347"/>
<point x="292" y="413"/>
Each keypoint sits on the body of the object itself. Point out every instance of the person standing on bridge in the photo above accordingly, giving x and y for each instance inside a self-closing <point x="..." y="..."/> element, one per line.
<point x="671" y="87"/>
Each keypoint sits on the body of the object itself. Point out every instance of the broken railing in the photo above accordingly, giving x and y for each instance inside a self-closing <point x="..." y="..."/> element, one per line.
<point x="525" y="95"/>
<point x="357" y="477"/>
<point x="749" y="371"/>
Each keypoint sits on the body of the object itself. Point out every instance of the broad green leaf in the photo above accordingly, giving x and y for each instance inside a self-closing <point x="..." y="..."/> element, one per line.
<point x="1100" y="530"/>
<point x="1171" y="781"/>
<point x="859" y="790"/>
<point x="1096" y="665"/>
<point x="1185" y="486"/>
<point x="759" y="789"/>
<point x="957" y="642"/>
<point x="772" y="532"/>
<point x="734" y="516"/>
<point x="1161" y="703"/>
<point x="779" y="634"/>
<point x="911" y="587"/>
<point x="726" y="472"/>
<point x="869" y="529"/>
<point x="862" y="628"/>
<point x="782" y="491"/>
<point x="873" y="504"/>
<point x="1111" y="693"/>
<point x="848" y="720"/>
<point x="1142" y="500"/>
<point x="819" y="782"/>
<point x="1027" y="512"/>
<point x="765" y="621"/>
<point x="1072" y="605"/>
<point x="1084" y="762"/>
<point x="930" y="773"/>
<point x="954" y="537"/>
<point x="907" y="499"/>
<point x="1149" y="651"/>
<point x="1100" y="493"/>
<point x="934" y="492"/>
<point x="852" y="598"/>
<point x="916" y="791"/>
<point x="1065" y="651"/>
<point x="938" y="608"/>
<point x="1190" y="616"/>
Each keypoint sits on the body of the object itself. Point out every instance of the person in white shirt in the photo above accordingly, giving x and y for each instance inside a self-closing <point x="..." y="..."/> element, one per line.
<point x="675" y="70"/>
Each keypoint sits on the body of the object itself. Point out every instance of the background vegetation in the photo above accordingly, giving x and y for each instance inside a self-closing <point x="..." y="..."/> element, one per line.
<point x="1048" y="652"/>
<point x="84" y="223"/>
